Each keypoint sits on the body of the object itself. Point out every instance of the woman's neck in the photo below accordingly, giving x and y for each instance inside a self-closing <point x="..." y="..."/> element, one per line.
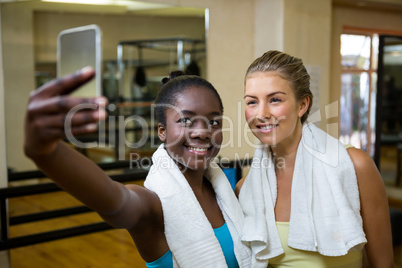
<point x="195" y="179"/>
<point x="285" y="152"/>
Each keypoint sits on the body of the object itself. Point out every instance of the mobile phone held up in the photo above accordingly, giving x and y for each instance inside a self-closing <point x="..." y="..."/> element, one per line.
<point x="79" y="47"/>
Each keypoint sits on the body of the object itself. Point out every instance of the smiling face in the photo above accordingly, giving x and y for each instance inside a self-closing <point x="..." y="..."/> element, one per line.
<point x="193" y="130"/>
<point x="272" y="112"/>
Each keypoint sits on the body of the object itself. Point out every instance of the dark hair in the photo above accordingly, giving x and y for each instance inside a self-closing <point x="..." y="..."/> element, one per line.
<point x="175" y="84"/>
<point x="290" y="68"/>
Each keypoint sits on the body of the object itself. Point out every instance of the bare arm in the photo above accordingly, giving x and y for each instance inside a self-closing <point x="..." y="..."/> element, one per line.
<point x="374" y="210"/>
<point x="47" y="111"/>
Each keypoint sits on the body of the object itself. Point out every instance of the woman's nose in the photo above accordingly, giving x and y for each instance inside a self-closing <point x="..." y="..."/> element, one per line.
<point x="201" y="129"/>
<point x="263" y="113"/>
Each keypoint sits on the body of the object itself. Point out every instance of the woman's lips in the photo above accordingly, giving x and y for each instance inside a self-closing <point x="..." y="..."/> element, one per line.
<point x="266" y="128"/>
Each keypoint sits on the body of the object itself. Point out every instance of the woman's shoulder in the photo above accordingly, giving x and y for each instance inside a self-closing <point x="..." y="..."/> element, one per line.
<point x="360" y="158"/>
<point x="365" y="168"/>
<point x="239" y="184"/>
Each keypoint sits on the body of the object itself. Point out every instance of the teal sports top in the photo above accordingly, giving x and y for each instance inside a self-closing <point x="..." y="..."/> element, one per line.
<point x="225" y="240"/>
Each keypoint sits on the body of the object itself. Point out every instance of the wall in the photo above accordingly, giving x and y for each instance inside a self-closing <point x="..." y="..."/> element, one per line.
<point x="4" y="255"/>
<point x="3" y="145"/>
<point x="230" y="51"/>
<point x="306" y="35"/>
<point x="18" y="62"/>
<point x="268" y="26"/>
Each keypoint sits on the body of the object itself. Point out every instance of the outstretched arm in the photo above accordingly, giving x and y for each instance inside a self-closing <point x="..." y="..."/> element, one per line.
<point x="48" y="109"/>
<point x="374" y="210"/>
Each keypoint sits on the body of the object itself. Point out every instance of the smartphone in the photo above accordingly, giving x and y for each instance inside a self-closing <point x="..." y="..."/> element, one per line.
<point x="79" y="47"/>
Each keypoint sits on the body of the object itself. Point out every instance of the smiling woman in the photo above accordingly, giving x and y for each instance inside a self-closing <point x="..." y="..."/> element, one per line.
<point x="31" y="28"/>
<point x="182" y="187"/>
<point x="271" y="107"/>
<point x="195" y="128"/>
<point x="316" y="208"/>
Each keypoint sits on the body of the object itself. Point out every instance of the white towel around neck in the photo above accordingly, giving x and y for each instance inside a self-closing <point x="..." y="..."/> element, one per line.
<point x="189" y="234"/>
<point x="325" y="206"/>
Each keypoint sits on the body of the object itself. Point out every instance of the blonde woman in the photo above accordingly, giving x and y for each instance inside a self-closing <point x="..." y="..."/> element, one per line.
<point x="308" y="201"/>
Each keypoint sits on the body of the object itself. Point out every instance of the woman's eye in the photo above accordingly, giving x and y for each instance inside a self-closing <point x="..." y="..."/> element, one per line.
<point x="275" y="100"/>
<point x="214" y="123"/>
<point x="252" y="102"/>
<point x="185" y="121"/>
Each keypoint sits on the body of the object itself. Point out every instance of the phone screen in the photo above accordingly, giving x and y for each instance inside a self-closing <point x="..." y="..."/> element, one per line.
<point x="77" y="48"/>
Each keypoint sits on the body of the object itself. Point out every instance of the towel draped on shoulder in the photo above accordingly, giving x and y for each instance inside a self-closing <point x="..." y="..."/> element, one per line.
<point x="325" y="206"/>
<point x="188" y="232"/>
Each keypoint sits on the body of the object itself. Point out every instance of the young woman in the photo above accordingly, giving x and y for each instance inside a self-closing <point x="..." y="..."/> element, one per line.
<point x="308" y="201"/>
<point x="187" y="216"/>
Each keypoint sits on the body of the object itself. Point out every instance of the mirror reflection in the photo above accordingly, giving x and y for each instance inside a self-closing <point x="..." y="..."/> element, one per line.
<point x="141" y="43"/>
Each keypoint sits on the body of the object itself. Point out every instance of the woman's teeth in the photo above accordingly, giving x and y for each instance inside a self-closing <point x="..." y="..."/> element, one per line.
<point x="198" y="149"/>
<point x="268" y="127"/>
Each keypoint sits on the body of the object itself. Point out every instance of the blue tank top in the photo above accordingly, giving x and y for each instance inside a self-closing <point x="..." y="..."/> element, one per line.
<point x="225" y="240"/>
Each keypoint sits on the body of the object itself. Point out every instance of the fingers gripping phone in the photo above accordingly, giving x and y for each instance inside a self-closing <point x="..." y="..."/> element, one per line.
<point x="77" y="48"/>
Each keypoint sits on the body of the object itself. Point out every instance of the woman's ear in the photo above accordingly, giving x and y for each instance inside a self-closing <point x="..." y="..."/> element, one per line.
<point x="303" y="106"/>
<point x="161" y="132"/>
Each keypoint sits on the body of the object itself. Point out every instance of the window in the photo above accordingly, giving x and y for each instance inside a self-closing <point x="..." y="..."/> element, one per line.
<point x="359" y="53"/>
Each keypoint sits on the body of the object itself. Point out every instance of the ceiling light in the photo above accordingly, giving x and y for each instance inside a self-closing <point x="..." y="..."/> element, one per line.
<point x="131" y="5"/>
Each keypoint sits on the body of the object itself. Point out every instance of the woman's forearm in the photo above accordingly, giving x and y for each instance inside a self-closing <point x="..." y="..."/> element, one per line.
<point x="82" y="178"/>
